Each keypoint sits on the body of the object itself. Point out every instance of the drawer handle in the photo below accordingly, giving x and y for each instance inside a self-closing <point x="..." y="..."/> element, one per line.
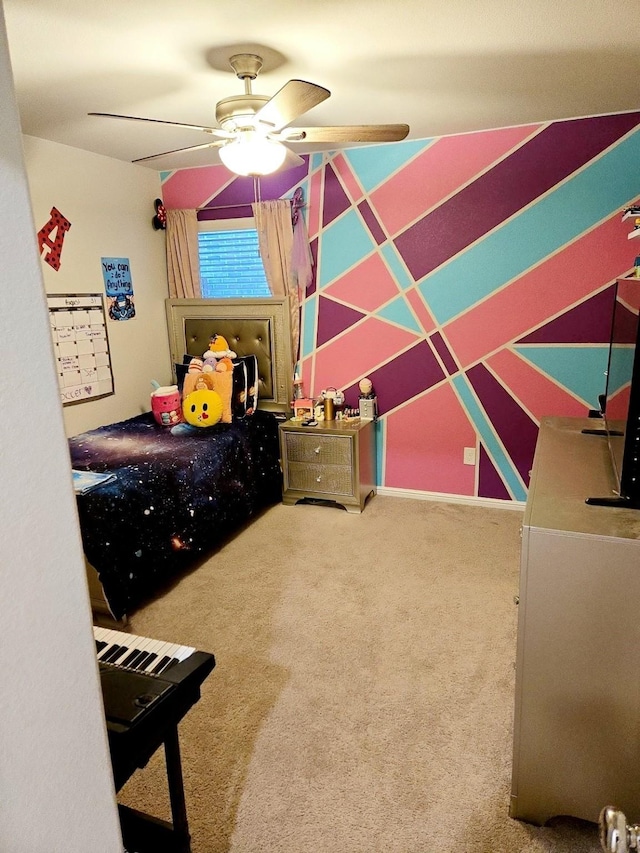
<point x="318" y="479"/>
<point x="317" y="450"/>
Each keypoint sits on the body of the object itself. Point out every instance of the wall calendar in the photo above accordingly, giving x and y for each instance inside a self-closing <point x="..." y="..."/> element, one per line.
<point x="81" y="346"/>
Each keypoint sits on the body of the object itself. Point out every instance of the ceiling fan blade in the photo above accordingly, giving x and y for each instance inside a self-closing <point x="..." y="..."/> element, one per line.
<point x="292" y="100"/>
<point x="348" y="133"/>
<point x="180" y="150"/>
<point x="223" y="134"/>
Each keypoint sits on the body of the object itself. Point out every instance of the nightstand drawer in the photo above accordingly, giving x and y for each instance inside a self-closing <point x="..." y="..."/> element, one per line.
<point x="320" y="479"/>
<point x="320" y="449"/>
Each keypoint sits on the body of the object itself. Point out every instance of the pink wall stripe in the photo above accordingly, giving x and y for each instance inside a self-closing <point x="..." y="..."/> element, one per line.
<point x="440" y="170"/>
<point x="190" y="188"/>
<point x="343" y="169"/>
<point x="435" y="462"/>
<point x="537" y="392"/>
<point x="567" y="277"/>
<point x="357" y="353"/>
<point x="367" y="286"/>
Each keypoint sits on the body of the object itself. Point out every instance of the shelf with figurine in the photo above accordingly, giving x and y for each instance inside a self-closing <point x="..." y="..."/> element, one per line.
<point x="633" y="212"/>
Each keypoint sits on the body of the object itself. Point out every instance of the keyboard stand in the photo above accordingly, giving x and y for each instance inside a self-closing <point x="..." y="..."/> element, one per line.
<point x="143" y="833"/>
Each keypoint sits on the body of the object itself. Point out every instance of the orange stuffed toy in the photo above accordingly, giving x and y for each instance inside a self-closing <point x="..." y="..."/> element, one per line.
<point x="218" y="356"/>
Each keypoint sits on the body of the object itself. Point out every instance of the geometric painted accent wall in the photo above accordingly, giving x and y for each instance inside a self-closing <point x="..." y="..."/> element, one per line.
<point x="470" y="277"/>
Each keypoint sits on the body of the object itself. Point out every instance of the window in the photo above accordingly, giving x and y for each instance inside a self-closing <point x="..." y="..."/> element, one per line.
<point x="230" y="263"/>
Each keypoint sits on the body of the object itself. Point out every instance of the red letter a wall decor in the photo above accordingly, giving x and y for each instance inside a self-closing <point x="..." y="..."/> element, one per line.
<point x="60" y="225"/>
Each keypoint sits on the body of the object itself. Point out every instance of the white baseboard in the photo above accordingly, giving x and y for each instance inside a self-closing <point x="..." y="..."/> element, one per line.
<point x="452" y="499"/>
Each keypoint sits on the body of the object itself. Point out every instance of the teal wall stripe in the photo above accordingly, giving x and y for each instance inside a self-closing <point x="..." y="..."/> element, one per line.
<point x="481" y="424"/>
<point x="396" y="265"/>
<point x="380" y="429"/>
<point x="556" y="219"/>
<point x="400" y="313"/>
<point x="373" y="164"/>
<point x="345" y="242"/>
<point x="621" y="367"/>
<point x="580" y="369"/>
<point x="308" y="342"/>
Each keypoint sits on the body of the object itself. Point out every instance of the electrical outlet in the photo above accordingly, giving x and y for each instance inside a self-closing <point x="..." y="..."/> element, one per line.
<point x="469" y="456"/>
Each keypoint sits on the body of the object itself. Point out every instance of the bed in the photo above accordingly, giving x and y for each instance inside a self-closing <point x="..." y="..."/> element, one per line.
<point x="167" y="501"/>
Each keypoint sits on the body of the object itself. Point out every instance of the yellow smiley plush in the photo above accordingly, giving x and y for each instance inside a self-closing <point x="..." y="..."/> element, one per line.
<point x="202" y="408"/>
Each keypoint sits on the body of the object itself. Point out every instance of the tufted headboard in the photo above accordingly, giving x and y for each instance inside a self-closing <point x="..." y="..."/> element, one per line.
<point x="251" y="326"/>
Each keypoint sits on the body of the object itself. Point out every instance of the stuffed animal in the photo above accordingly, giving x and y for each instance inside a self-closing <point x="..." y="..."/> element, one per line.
<point x="165" y="405"/>
<point x="203" y="406"/>
<point x="218" y="356"/>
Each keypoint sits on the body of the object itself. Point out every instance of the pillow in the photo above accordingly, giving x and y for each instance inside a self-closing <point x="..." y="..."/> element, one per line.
<point x="181" y="372"/>
<point x="244" y="393"/>
<point x="245" y="386"/>
<point x="202" y="408"/>
<point x="220" y="382"/>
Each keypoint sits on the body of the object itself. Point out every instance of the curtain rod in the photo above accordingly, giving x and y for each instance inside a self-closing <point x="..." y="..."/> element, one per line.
<point x="239" y="204"/>
<point x="226" y="206"/>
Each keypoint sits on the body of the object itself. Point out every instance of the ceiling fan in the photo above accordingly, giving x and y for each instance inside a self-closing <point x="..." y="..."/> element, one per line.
<point x="253" y="129"/>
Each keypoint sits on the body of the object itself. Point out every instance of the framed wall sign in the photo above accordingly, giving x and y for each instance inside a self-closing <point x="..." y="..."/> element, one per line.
<point x="116" y="273"/>
<point x="81" y="346"/>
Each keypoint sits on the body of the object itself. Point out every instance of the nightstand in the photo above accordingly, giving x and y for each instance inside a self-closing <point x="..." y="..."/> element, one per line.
<point x="333" y="462"/>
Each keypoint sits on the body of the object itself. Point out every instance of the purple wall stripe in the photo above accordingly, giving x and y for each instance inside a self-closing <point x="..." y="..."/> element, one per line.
<point x="535" y="167"/>
<point x="242" y="211"/>
<point x="490" y="484"/>
<point x="334" y="318"/>
<point x="407" y="375"/>
<point x="335" y="199"/>
<point x="372" y="223"/>
<point x="515" y="429"/>
<point x="626" y="326"/>
<point x="242" y="191"/>
<point x="587" y="323"/>
<point x="445" y="353"/>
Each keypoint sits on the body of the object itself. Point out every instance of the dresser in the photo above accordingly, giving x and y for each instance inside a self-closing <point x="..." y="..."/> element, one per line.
<point x="333" y="462"/>
<point x="576" y="745"/>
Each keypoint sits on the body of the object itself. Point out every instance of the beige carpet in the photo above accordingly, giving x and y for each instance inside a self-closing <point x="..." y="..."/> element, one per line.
<point x="363" y="694"/>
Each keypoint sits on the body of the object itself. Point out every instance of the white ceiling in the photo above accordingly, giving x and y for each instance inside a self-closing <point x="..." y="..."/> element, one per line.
<point x="442" y="66"/>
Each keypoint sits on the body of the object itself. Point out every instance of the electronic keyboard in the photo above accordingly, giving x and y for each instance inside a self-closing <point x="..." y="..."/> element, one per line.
<point x="147" y="688"/>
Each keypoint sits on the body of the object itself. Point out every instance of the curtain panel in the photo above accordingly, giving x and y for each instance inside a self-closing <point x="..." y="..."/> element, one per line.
<point x="183" y="266"/>
<point x="276" y="242"/>
<point x="275" y="239"/>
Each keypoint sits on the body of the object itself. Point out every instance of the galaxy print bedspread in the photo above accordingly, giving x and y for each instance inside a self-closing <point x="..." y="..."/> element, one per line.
<point x="173" y="498"/>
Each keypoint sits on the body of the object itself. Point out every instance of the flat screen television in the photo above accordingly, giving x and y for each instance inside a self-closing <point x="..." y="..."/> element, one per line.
<point x="620" y="404"/>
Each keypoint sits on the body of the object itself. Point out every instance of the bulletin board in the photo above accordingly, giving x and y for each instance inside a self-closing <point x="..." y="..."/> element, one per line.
<point x="81" y="346"/>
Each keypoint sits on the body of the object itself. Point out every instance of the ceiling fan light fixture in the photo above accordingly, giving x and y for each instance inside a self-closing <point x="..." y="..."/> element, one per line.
<point x="251" y="153"/>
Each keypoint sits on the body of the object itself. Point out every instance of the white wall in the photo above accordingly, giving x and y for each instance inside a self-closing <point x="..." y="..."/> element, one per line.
<point x="110" y="206"/>
<point x="56" y="790"/>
